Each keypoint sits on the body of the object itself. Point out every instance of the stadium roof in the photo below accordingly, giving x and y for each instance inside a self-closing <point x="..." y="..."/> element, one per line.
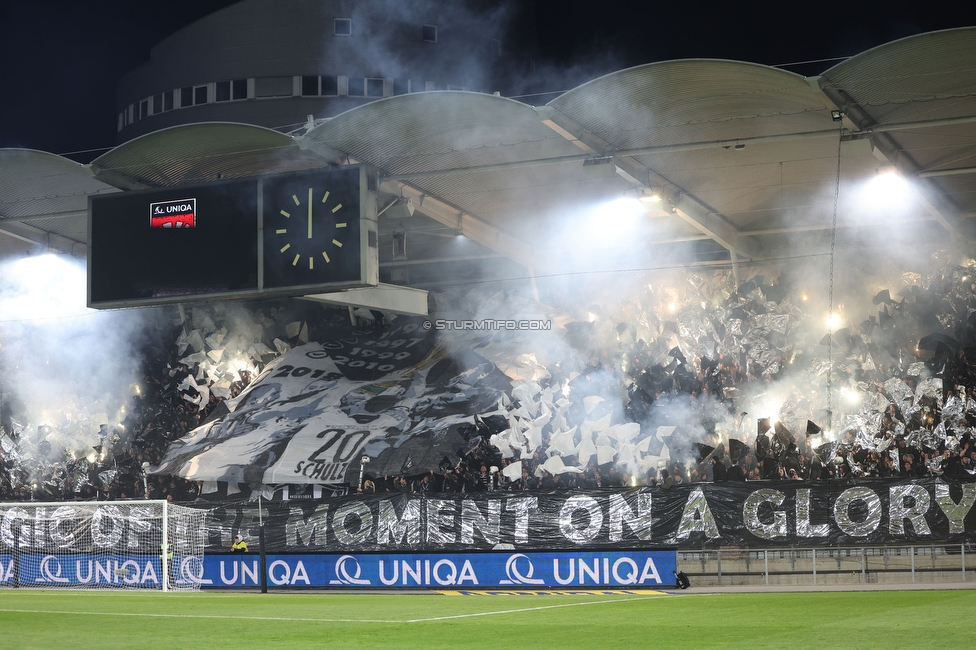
<point x="745" y="156"/>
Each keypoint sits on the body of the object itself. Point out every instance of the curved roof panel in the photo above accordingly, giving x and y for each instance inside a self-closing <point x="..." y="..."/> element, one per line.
<point x="928" y="76"/>
<point x="917" y="96"/>
<point x="458" y="145"/>
<point x="43" y="194"/>
<point x="441" y="131"/>
<point x="747" y="143"/>
<point x="694" y="100"/>
<point x="745" y="153"/>
<point x="39" y="183"/>
<point x="198" y="153"/>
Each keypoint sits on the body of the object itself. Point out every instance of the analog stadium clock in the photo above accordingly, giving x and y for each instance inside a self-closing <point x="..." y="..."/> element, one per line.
<point x="312" y="228"/>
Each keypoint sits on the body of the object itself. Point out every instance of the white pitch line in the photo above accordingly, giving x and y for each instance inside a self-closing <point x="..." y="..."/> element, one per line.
<point x="210" y="616"/>
<point x="323" y="620"/>
<point x="530" y="609"/>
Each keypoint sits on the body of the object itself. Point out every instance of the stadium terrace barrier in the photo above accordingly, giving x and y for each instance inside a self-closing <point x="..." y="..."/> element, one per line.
<point x="945" y="563"/>
<point x="703" y="515"/>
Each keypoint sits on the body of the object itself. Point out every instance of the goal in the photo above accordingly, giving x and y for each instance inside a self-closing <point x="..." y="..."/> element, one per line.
<point x="101" y="545"/>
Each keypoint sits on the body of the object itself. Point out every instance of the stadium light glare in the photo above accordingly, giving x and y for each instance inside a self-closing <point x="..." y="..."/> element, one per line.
<point x="887" y="191"/>
<point x="41" y="287"/>
<point x="616" y="218"/>
<point x="652" y="195"/>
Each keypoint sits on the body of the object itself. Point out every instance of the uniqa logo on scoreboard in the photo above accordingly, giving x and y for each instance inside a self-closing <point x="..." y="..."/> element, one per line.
<point x="179" y="213"/>
<point x="596" y="569"/>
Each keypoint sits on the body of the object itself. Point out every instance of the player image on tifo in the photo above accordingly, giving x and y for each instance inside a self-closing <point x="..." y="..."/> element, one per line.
<point x="318" y="408"/>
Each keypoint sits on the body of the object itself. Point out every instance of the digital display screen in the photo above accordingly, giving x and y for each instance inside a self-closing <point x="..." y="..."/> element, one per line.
<point x="284" y="234"/>
<point x="197" y="241"/>
<point x="181" y="213"/>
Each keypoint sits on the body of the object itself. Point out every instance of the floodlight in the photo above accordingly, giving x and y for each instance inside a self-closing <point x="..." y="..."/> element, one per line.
<point x="652" y="195"/>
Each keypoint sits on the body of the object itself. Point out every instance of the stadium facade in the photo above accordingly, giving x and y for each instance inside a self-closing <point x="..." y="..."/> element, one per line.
<point x="274" y="64"/>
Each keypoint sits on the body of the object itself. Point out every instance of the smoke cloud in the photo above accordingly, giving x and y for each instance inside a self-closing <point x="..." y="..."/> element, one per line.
<point x="388" y="32"/>
<point x="66" y="368"/>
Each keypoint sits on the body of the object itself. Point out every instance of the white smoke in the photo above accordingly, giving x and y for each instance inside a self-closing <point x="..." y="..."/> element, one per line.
<point x="63" y="365"/>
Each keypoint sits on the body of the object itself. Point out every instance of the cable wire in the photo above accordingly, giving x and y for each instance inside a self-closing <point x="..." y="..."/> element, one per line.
<point x="830" y="291"/>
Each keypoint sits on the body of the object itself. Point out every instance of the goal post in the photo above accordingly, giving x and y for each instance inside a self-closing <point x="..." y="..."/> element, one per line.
<point x="101" y="545"/>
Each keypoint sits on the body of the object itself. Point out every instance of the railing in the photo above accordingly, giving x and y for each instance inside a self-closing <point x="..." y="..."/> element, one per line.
<point x="933" y="563"/>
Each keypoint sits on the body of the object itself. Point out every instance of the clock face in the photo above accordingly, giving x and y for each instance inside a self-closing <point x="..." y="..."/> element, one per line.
<point x="312" y="228"/>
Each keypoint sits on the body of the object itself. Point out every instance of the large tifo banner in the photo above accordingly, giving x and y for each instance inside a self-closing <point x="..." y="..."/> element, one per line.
<point x="689" y="516"/>
<point x="506" y="570"/>
<point x="317" y="409"/>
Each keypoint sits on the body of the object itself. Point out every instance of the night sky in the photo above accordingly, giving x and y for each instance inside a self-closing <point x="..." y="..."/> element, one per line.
<point x="60" y="61"/>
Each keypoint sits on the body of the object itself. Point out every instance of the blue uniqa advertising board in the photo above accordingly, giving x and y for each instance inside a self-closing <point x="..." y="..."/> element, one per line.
<point x="488" y="570"/>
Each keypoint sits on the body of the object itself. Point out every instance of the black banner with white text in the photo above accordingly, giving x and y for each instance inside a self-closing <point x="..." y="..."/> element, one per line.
<point x="689" y="516"/>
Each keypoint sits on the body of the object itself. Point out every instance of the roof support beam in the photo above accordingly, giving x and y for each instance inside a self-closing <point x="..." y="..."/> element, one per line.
<point x="958" y="171"/>
<point x="115" y="179"/>
<point x="670" y="148"/>
<point x="384" y="297"/>
<point x="33" y="235"/>
<point x="465" y="224"/>
<point x="797" y="229"/>
<point x="715" y="226"/>
<point x="494" y="167"/>
<point x="618" y="154"/>
<point x="939" y="207"/>
<point x="685" y="205"/>
<point x="629" y="169"/>
<point x="333" y="156"/>
<point x="438" y="210"/>
<point x="70" y="214"/>
<point x="441" y="260"/>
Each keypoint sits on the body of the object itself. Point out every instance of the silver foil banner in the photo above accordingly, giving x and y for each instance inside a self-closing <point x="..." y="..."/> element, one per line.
<point x="750" y="514"/>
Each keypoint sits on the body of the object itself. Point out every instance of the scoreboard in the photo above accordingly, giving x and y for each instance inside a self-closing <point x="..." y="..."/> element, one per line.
<point x="277" y="235"/>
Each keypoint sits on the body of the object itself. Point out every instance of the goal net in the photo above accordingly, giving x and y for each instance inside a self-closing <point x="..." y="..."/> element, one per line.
<point x="101" y="545"/>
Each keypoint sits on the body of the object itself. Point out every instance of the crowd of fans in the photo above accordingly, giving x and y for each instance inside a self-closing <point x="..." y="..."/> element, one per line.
<point x="115" y="468"/>
<point x="777" y="457"/>
<point x="912" y="415"/>
<point x="915" y="419"/>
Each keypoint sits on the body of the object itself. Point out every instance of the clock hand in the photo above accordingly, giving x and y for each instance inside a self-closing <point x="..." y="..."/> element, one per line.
<point x="310" y="213"/>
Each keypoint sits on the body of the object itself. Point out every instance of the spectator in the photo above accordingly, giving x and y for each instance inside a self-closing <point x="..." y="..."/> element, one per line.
<point x="239" y="545"/>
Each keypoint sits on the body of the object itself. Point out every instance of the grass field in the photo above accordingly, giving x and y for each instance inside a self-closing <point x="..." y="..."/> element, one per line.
<point x="246" y="621"/>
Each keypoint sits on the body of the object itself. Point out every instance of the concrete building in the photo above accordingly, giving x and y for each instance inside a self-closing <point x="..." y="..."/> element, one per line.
<point x="273" y="63"/>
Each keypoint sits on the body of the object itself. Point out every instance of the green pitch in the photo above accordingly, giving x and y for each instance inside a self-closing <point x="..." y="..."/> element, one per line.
<point x="86" y="619"/>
